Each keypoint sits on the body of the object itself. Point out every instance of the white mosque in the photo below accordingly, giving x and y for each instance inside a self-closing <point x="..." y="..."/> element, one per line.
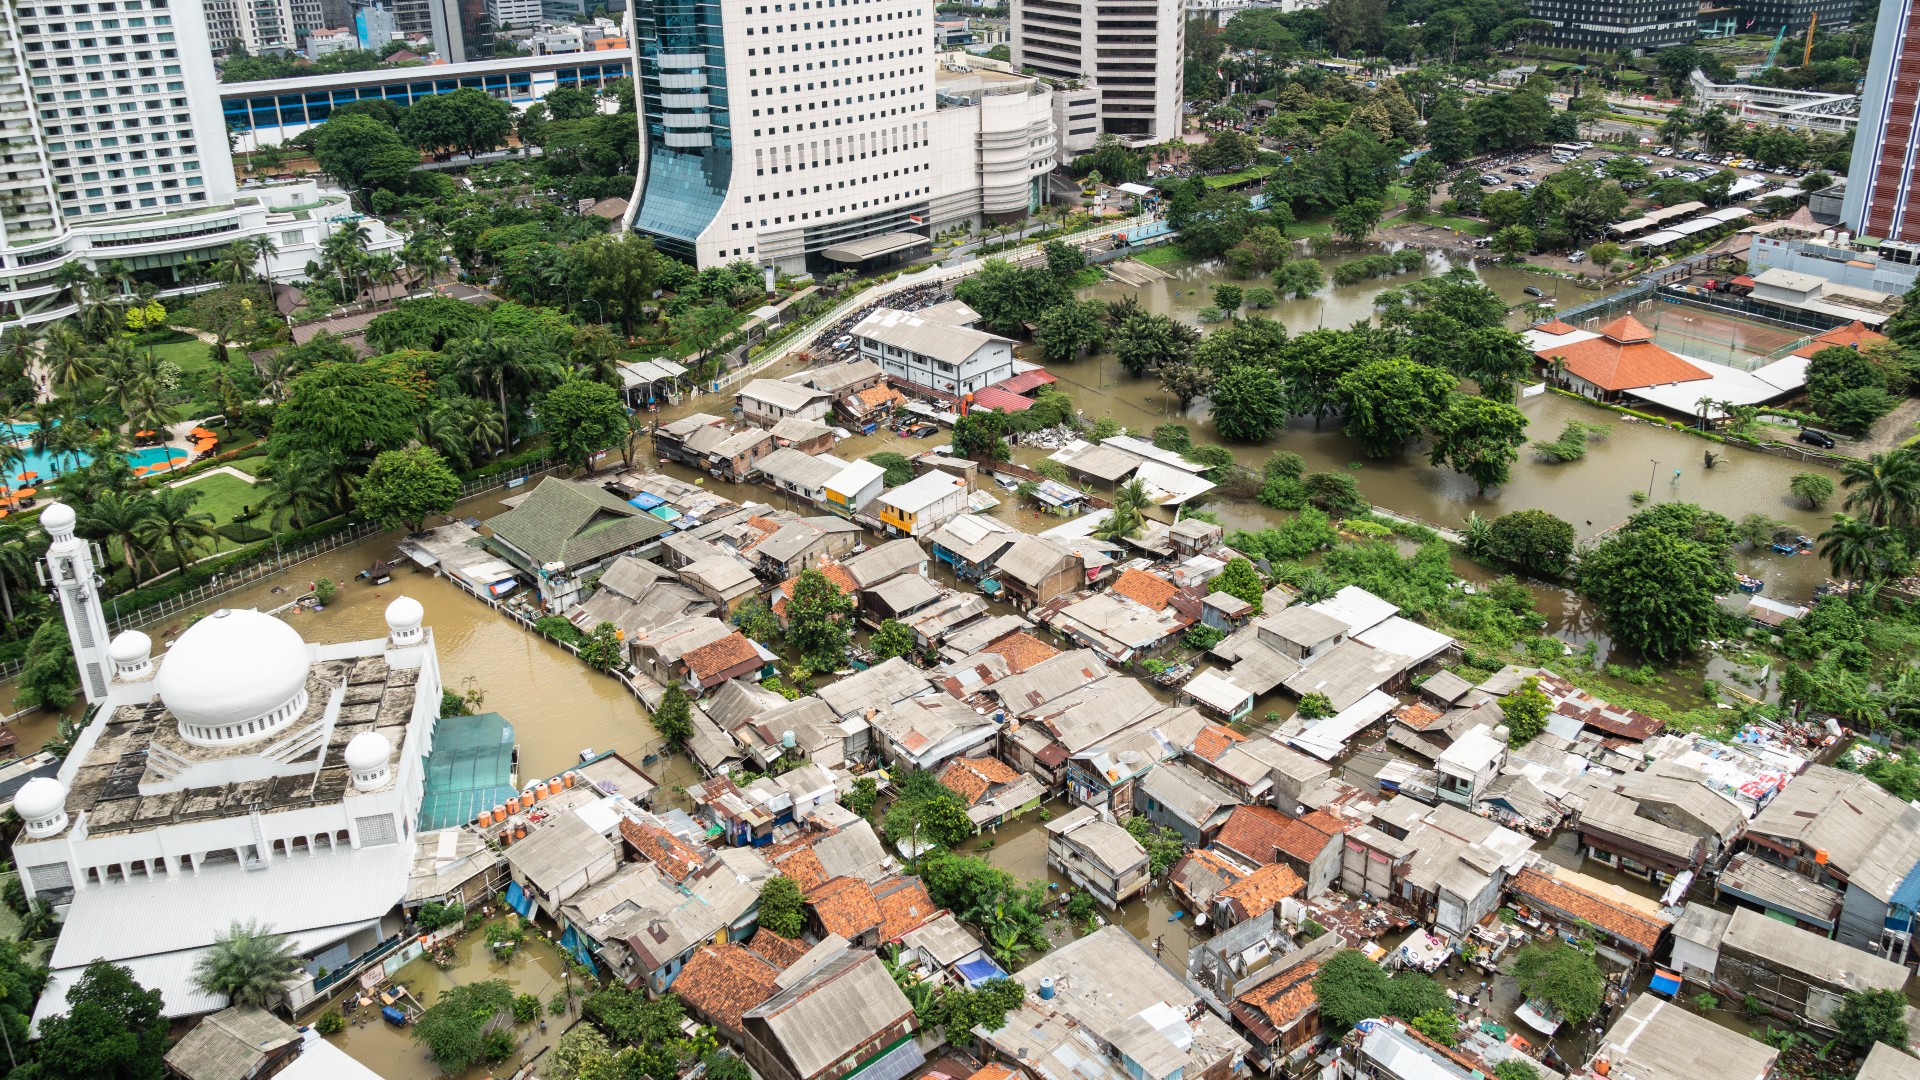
<point x="244" y="774"/>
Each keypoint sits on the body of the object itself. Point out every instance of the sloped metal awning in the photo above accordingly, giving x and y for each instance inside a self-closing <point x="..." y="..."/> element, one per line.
<point x="872" y="247"/>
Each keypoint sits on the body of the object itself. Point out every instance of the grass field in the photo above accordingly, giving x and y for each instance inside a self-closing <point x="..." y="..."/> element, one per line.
<point x="1466" y="225"/>
<point x="1163" y="256"/>
<point x="250" y="465"/>
<point x="190" y="354"/>
<point x="1257" y="172"/>
<point x="224" y="496"/>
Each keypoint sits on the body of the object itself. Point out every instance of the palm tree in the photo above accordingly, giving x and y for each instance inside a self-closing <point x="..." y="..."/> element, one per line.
<point x="486" y="428"/>
<point x="118" y="516"/>
<point x="75" y="278"/>
<point x="149" y="410"/>
<point x="173" y="522"/>
<point x="17" y="557"/>
<point x="300" y="489"/>
<point x="1853" y="547"/>
<point x="444" y="430"/>
<point x="263" y="249"/>
<point x="1888" y="486"/>
<point x="484" y="357"/>
<point x="1130" y="503"/>
<point x="66" y="357"/>
<point x="19" y="343"/>
<point x="249" y="965"/>
<point x="236" y="264"/>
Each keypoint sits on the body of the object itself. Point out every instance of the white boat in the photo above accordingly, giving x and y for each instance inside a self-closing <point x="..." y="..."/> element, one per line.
<point x="1536" y="1016"/>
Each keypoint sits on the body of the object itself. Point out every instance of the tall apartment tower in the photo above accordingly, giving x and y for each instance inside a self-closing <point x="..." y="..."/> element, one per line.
<point x="258" y="26"/>
<point x="1133" y="50"/>
<point x="771" y="132"/>
<point x="1880" y="198"/>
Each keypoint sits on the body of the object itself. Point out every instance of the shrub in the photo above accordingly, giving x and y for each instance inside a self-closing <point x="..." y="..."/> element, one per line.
<point x="526" y="1008"/>
<point x="330" y="1022"/>
<point x="243" y="534"/>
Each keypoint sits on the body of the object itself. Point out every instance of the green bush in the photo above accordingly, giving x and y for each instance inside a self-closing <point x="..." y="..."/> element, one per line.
<point x="241" y="533"/>
<point x="558" y="628"/>
<point x="526" y="1008"/>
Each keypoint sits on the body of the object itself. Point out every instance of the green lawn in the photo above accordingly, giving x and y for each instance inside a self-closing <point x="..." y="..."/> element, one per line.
<point x="250" y="465"/>
<point x="190" y="354"/>
<point x="1256" y="172"/>
<point x="1465" y="225"/>
<point x="224" y="496"/>
<point x="1163" y="256"/>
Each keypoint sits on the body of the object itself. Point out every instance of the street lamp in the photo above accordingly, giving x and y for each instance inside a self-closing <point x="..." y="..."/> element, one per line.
<point x="1651" y="473"/>
<point x="597" y="305"/>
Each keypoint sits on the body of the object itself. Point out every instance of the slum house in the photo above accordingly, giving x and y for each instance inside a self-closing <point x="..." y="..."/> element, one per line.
<point x="1630" y="928"/>
<point x="995" y="634"/>
<point x="802" y="434"/>
<point x="1310" y="845"/>
<point x="719" y="983"/>
<point x="670" y="440"/>
<point x="802" y="476"/>
<point x="732" y="656"/>
<point x="726" y="581"/>
<point x="1280" y="1014"/>
<point x="1033" y="570"/>
<point x="865" y="693"/>
<point x="1245" y="766"/>
<point x="634" y="594"/>
<point x="766" y="402"/>
<point x="1446" y="866"/>
<point x="870" y="914"/>
<point x="1045" y="738"/>
<point x="849" y="377"/>
<point x="1392" y="1049"/>
<point x="1107" y="988"/>
<point x="857" y="485"/>
<point x="660" y="653"/>
<point x="1468" y="766"/>
<point x="958" y="467"/>
<point x="833" y="571"/>
<point x="803" y="728"/>
<point x="1104" y="776"/>
<point x="714" y="717"/>
<point x="1426" y="730"/>
<point x="561" y="859"/>
<point x="1256" y="894"/>
<point x="1749" y="879"/>
<point x="921" y="505"/>
<point x="993" y="793"/>
<point x="1612" y="831"/>
<point x="1098" y="856"/>
<point x="804" y="544"/>
<point x="1659" y="1040"/>
<point x="838" y="1011"/>
<point x="562" y="532"/>
<point x="1678" y="796"/>
<point x="932" y="624"/>
<point x="930" y="730"/>
<point x="1176" y="797"/>
<point x="736" y="458"/>
<point x="970" y="543"/>
<point x="1135" y="614"/>
<point x="1198" y="876"/>
<point x="1225" y="612"/>
<point x="881" y="564"/>
<point x="1842" y="831"/>
<point x="1570" y="701"/>
<point x="946" y="953"/>
<point x="867" y="409"/>
<point x="730" y="813"/>
<point x="238" y="1043"/>
<point x="732" y="531"/>
<point x="1798" y="976"/>
<point x="896" y="598"/>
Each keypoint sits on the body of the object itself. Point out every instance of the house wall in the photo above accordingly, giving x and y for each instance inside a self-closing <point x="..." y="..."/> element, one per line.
<point x="755" y="411"/>
<point x="1107" y="885"/>
<point x="1162" y="815"/>
<point x="1324" y="871"/>
<point x="1863" y="919"/>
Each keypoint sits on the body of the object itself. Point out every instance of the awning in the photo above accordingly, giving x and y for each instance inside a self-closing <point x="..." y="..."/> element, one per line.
<point x="872" y="247"/>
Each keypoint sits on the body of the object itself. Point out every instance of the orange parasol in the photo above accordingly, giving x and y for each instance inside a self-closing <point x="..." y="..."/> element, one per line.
<point x="143" y="434"/>
<point x="26" y="493"/>
<point x="28" y="475"/>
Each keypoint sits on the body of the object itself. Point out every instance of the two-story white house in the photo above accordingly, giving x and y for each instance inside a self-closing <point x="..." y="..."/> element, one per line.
<point x="933" y="355"/>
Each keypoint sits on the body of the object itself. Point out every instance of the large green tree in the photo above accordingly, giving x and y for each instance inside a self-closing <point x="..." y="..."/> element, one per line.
<point x="817" y="616"/>
<point x="1248" y="404"/>
<point x="1656" y="580"/>
<point x="1067" y="331"/>
<point x="348" y="413"/>
<point x="582" y="418"/>
<point x="454" y="1028"/>
<point x="1239" y="579"/>
<point x="405" y="487"/>
<point x="1352" y="988"/>
<point x="1532" y="540"/>
<point x="1479" y="438"/>
<point x="782" y="909"/>
<point x="112" y="1030"/>
<point x="469" y="120"/>
<point x="361" y="152"/>
<point x="1389" y="403"/>
<point x="1566" y="978"/>
<point x="1145" y="343"/>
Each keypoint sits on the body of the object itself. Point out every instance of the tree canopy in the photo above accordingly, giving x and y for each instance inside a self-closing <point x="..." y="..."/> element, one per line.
<point x="405" y="487"/>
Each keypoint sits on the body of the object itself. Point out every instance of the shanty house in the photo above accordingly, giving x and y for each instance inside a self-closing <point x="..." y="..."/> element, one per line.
<point x="1097" y="855"/>
<point x="923" y="504"/>
<point x="838" y="1012"/>
<point x="563" y="531"/>
<point x="766" y="402"/>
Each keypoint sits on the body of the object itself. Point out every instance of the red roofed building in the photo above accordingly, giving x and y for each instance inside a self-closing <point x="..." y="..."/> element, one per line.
<point x="729" y="657"/>
<point x="1310" y="845"/>
<point x="1021" y="650"/>
<point x="1257" y="894"/>
<point x="1627" y="930"/>
<point x="1854" y="335"/>
<point x="721" y="982"/>
<point x="992" y="397"/>
<point x="1622" y="357"/>
<point x="870" y="915"/>
<point x="1282" y="1014"/>
<point x="1147" y="589"/>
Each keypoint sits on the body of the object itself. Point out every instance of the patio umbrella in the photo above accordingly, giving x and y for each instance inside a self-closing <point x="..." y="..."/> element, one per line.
<point x="143" y="434"/>
<point x="26" y="493"/>
<point x="28" y="475"/>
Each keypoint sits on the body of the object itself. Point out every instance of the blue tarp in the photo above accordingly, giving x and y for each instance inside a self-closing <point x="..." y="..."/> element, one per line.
<point x="577" y="945"/>
<point x="979" y="970"/>
<point x="518" y="900"/>
<point x="1664" y="982"/>
<point x="646" y="501"/>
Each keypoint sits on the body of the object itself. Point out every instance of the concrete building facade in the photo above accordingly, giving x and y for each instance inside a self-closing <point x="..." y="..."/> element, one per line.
<point x="1133" y="49"/>
<point x="1881" y="179"/>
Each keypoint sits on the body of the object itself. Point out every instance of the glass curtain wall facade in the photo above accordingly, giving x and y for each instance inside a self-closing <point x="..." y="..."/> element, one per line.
<point x="680" y="89"/>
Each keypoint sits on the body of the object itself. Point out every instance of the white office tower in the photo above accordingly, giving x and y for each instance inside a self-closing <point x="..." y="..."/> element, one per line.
<point x="258" y="26"/>
<point x="70" y="574"/>
<point x="1134" y="50"/>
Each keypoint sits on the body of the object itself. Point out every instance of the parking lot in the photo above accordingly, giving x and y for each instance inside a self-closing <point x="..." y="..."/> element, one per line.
<point x="1523" y="169"/>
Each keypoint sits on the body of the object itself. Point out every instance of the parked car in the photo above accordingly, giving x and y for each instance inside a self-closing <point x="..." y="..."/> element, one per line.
<point x="1576" y="256"/>
<point x="1534" y="290"/>
<point x="1813" y="437"/>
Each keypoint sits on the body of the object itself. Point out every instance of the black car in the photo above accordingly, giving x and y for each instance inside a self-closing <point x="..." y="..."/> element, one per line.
<point x="1534" y="290"/>
<point x="1816" y="438"/>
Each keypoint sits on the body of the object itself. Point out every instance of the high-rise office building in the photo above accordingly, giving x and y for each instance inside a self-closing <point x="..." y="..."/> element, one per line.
<point x="113" y="147"/>
<point x="1768" y="16"/>
<point x="461" y="29"/>
<point x="1881" y="200"/>
<point x="774" y="131"/>
<point x="1606" y="26"/>
<point x="1133" y="50"/>
<point x="258" y="26"/>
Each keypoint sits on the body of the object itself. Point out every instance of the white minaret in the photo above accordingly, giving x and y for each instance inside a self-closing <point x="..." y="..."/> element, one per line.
<point x="70" y="561"/>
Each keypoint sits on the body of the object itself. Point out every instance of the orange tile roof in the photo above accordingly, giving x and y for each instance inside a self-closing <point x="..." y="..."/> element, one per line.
<point x="1622" y="922"/>
<point x="834" y="572"/>
<point x="1255" y="832"/>
<point x="904" y="906"/>
<point x="1854" y="335"/>
<point x="846" y="906"/>
<point x="1151" y="590"/>
<point x="1285" y="997"/>
<point x="972" y="778"/>
<point x="1213" y="740"/>
<point x="717" y="656"/>
<point x="1419" y="716"/>
<point x="1622" y="357"/>
<point x="1262" y="890"/>
<point x="875" y="396"/>
<point x="781" y="952"/>
<point x="721" y="982"/>
<point x="1554" y="327"/>
<point x="1022" y="651"/>
<point x="795" y="859"/>
<point x="667" y="852"/>
<point x="994" y="1071"/>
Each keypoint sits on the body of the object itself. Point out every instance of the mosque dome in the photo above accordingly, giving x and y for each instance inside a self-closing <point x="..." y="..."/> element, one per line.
<point x="40" y="798"/>
<point x="366" y="757"/>
<point x="235" y="676"/>
<point x="130" y="647"/>
<point x="404" y="617"/>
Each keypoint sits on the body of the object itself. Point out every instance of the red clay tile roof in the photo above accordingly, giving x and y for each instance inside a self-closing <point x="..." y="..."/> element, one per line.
<point x="1286" y="997"/>
<point x="846" y="906"/>
<point x="721" y="982"/>
<point x="875" y="396"/>
<point x="834" y="572"/>
<point x="1623" y="357"/>
<point x="717" y="656"/>
<point x="795" y="859"/>
<point x="995" y="1071"/>
<point x="1254" y="832"/>
<point x="1419" y="716"/>
<point x="1025" y="381"/>
<point x="1213" y="740"/>
<point x="1203" y="874"/>
<point x="1150" y="589"/>
<point x="1567" y="899"/>
<point x="781" y="952"/>
<point x="1307" y="837"/>
<point x="1554" y="327"/>
<point x="1262" y="890"/>
<point x="992" y="397"/>
<point x="1022" y="650"/>
<point x="1854" y="335"/>
<point x="904" y="906"/>
<point x="972" y="778"/>
<point x="667" y="852"/>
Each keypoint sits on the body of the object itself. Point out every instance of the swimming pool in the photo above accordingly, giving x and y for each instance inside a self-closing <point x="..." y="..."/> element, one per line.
<point x="50" y="465"/>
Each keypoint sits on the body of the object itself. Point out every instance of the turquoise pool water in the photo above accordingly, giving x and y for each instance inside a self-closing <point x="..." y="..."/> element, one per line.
<point x="49" y="465"/>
